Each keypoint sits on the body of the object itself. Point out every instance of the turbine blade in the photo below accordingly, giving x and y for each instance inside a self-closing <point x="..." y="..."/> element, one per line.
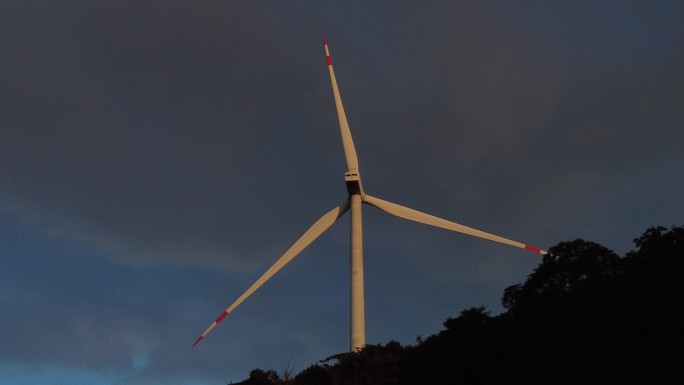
<point x="305" y="240"/>
<point x="421" y="217"/>
<point x="347" y="142"/>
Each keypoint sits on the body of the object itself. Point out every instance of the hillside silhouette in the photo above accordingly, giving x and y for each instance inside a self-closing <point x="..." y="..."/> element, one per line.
<point x="585" y="316"/>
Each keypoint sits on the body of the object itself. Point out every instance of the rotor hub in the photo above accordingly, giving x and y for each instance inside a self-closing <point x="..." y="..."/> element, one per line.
<point x="353" y="182"/>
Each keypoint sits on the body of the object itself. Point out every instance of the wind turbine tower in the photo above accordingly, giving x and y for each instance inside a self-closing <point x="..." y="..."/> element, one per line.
<point x="353" y="203"/>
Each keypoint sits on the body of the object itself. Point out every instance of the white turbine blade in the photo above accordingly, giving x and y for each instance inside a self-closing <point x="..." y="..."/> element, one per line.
<point x="305" y="240"/>
<point x="417" y="216"/>
<point x="347" y="142"/>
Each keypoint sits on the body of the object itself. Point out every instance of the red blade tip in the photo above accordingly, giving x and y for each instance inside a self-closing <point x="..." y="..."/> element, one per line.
<point x="198" y="340"/>
<point x="533" y="249"/>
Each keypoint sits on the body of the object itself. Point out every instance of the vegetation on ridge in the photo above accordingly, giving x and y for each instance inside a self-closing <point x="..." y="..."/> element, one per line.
<point x="586" y="317"/>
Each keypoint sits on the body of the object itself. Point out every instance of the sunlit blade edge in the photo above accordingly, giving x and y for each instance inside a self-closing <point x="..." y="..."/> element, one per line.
<point x="347" y="141"/>
<point x="318" y="228"/>
<point x="421" y="217"/>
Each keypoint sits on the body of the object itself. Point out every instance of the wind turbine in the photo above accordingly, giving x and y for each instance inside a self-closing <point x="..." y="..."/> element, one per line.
<point x="357" y="196"/>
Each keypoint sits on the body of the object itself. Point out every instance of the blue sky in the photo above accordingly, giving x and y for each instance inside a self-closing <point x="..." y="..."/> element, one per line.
<point x="157" y="157"/>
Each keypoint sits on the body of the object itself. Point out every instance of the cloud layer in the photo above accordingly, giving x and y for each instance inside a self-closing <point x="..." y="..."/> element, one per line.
<point x="155" y="157"/>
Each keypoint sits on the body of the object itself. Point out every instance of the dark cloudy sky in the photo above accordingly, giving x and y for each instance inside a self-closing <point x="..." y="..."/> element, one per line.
<point x="157" y="156"/>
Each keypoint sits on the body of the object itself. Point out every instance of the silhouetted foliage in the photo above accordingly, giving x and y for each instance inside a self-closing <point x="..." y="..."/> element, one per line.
<point x="261" y="377"/>
<point x="460" y="354"/>
<point x="583" y="316"/>
<point x="591" y="317"/>
<point x="374" y="364"/>
<point x="568" y="269"/>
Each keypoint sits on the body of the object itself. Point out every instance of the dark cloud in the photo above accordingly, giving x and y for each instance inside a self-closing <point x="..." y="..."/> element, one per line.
<point x="155" y="157"/>
<point x="141" y="120"/>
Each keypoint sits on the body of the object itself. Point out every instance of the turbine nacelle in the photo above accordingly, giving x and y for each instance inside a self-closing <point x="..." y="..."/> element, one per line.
<point x="353" y="181"/>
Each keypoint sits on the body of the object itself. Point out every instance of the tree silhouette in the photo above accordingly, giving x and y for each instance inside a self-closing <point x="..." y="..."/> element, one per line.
<point x="571" y="268"/>
<point x="261" y="377"/>
<point x="583" y="316"/>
